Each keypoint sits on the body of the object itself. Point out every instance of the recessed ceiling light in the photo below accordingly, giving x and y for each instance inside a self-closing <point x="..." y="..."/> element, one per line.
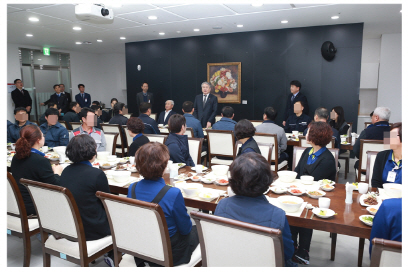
<point x="123" y="38"/>
<point x="77" y="28"/>
<point x="256" y="5"/>
<point x="99" y="40"/>
<point x="162" y="33"/>
<point x="196" y="29"/>
<point x="29" y="35"/>
<point x="39" y="59"/>
<point x="78" y="43"/>
<point x="400" y="10"/>
<point x="178" y="31"/>
<point x="116" y="5"/>
<point x="284" y="21"/>
<point x="152" y="17"/>
<point x="334" y="17"/>
<point x="34" y="19"/>
<point x="240" y="26"/>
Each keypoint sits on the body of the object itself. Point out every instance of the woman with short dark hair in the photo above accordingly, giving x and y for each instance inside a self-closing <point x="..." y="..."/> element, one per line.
<point x="177" y="141"/>
<point x="135" y="130"/>
<point x="244" y="131"/>
<point x="319" y="162"/>
<point x="151" y="161"/>
<point x="29" y="163"/>
<point x="251" y="176"/>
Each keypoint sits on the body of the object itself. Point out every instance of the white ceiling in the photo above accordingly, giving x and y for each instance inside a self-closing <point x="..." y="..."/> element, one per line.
<point x="56" y="21"/>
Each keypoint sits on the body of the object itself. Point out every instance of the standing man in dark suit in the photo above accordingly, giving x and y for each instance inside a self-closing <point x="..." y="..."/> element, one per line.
<point x="68" y="95"/>
<point x="59" y="99"/>
<point x="164" y="115"/>
<point x="83" y="98"/>
<point x="21" y="97"/>
<point x="296" y="95"/>
<point x="144" y="96"/>
<point x="206" y="106"/>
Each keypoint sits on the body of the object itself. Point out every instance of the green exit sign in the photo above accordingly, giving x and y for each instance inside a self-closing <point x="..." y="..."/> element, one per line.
<point x="46" y="51"/>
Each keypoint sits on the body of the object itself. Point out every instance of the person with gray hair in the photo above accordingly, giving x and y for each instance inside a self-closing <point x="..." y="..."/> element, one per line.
<point x="376" y="131"/>
<point x="205" y="106"/>
<point x="165" y="115"/>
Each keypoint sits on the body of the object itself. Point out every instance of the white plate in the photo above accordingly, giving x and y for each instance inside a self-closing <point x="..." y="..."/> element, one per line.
<point x="304" y="182"/>
<point x="330" y="182"/>
<point x="181" y="165"/>
<point x="296" y="194"/>
<point x="203" y="169"/>
<point x="362" y="197"/>
<point x="329" y="212"/>
<point x="327" y="189"/>
<point x="314" y="196"/>
<point x="208" y="180"/>
<point x="115" y="166"/>
<point x="365" y="222"/>
<point x="181" y="178"/>
<point x="106" y="167"/>
<point x="196" y="180"/>
<point x="220" y="184"/>
<point x="370" y="207"/>
<point x="278" y="190"/>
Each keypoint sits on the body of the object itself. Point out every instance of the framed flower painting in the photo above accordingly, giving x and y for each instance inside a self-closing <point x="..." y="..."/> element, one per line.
<point x="226" y="78"/>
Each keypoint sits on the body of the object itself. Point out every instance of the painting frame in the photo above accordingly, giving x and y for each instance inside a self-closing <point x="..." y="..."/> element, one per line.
<point x="230" y="91"/>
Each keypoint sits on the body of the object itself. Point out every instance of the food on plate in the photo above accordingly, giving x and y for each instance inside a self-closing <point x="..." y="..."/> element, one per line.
<point x="289" y="202"/>
<point x="293" y="186"/>
<point x="315" y="193"/>
<point x="54" y="157"/>
<point x="107" y="164"/>
<point x="8" y="144"/>
<point x="373" y="210"/>
<point x="322" y="212"/>
<point x="206" y="195"/>
<point x="297" y="191"/>
<point x="181" y="164"/>
<point x="119" y="167"/>
<point x="371" y="199"/>
<point x="195" y="177"/>
<point x="326" y="181"/>
<point x="355" y="184"/>
<point x="367" y="219"/>
<point x="328" y="186"/>
<point x="222" y="181"/>
<point x="190" y="174"/>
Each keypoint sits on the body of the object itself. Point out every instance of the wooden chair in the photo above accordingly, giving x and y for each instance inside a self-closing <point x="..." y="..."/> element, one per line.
<point x="128" y="137"/>
<point x="217" y="118"/>
<point x="265" y="148"/>
<point x="189" y="132"/>
<point x="346" y="155"/>
<point x="371" y="159"/>
<point x="245" y="244"/>
<point x="75" y="124"/>
<point x="220" y="143"/>
<point x="157" y="138"/>
<point x="195" y="149"/>
<point x="128" y="115"/>
<point x="148" y="240"/>
<point x="386" y="253"/>
<point x="18" y="224"/>
<point x="59" y="215"/>
<point x="121" y="144"/>
<point x="154" y="116"/>
<point x="303" y="142"/>
<point x="272" y="139"/>
<point x="111" y="139"/>
<point x="367" y="145"/>
<point x="65" y="125"/>
<point x="256" y="122"/>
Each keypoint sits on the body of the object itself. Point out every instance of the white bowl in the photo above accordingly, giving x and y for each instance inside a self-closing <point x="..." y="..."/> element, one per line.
<point x="220" y="170"/>
<point x="393" y="190"/>
<point x="326" y="181"/>
<point x="196" y="180"/>
<point x="296" y="194"/>
<point x="295" y="132"/>
<point x="278" y="189"/>
<point x="287" y="176"/>
<point x="293" y="206"/>
<point x="121" y="176"/>
<point x="307" y="179"/>
<point x="208" y="180"/>
<point x="191" y="189"/>
<point x="106" y="167"/>
<point x="327" y="189"/>
<point x="366" y="222"/>
<point x="328" y="212"/>
<point x="369" y="209"/>
<point x="178" y="184"/>
<point x="316" y="196"/>
<point x="111" y="158"/>
<point x="60" y="149"/>
<point x="102" y="155"/>
<point x="208" y="195"/>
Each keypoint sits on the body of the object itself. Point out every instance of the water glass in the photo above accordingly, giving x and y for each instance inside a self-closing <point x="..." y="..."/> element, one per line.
<point x="45" y="149"/>
<point x="198" y="168"/>
<point x="323" y="202"/>
<point x="132" y="160"/>
<point x="363" y="188"/>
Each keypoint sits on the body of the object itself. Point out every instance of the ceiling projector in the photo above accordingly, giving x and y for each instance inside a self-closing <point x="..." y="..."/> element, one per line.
<point x="94" y="13"/>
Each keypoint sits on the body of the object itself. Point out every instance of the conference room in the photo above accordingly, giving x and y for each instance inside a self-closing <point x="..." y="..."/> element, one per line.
<point x="248" y="66"/>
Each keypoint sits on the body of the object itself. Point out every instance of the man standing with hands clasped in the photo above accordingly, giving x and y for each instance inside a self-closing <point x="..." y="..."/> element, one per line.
<point x="144" y="96"/>
<point x="21" y="97"/>
<point x="205" y="106"/>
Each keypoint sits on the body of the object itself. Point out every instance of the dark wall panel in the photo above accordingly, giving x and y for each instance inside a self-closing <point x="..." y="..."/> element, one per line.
<point x="270" y="59"/>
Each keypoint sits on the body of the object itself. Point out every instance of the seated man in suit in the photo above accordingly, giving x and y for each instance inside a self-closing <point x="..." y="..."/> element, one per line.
<point x="205" y="106"/>
<point x="164" y="115"/>
<point x="151" y="127"/>
<point x="226" y="122"/>
<point x="13" y="130"/>
<point x="72" y="114"/>
<point x="296" y="95"/>
<point x="42" y="118"/>
<point x="60" y="99"/>
<point x="297" y="121"/>
<point x="191" y="121"/>
<point x="83" y="98"/>
<point x="104" y="116"/>
<point x="54" y="133"/>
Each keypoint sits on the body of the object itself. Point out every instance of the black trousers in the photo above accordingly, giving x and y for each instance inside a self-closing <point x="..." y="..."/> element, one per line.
<point x="305" y="237"/>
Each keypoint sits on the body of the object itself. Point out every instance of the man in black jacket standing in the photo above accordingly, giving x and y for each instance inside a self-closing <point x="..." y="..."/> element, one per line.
<point x="144" y="96"/>
<point x="21" y="97"/>
<point x="205" y="106"/>
<point x="296" y="95"/>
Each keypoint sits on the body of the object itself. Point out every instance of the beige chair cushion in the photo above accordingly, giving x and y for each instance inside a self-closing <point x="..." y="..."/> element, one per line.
<point x="280" y="166"/>
<point x="390" y="259"/>
<point x="72" y="248"/>
<point x="217" y="161"/>
<point x="14" y="224"/>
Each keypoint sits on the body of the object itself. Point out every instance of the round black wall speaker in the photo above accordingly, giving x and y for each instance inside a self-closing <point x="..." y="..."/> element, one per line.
<point x="328" y="50"/>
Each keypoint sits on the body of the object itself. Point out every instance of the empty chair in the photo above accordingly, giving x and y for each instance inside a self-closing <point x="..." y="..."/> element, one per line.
<point x="272" y="139"/>
<point x="121" y="143"/>
<point x="366" y="145"/>
<point x="195" y="149"/>
<point x="346" y="155"/>
<point x="371" y="158"/>
<point x="18" y="223"/>
<point x="111" y="139"/>
<point x="59" y="215"/>
<point x="220" y="143"/>
<point x="386" y="253"/>
<point x="189" y="132"/>
<point x="157" y="138"/>
<point x="148" y="240"/>
<point x="245" y="244"/>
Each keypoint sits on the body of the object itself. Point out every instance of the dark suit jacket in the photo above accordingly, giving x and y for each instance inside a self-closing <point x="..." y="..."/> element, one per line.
<point x="139" y="99"/>
<point x="85" y="102"/>
<point x="289" y="109"/>
<point x="207" y="113"/>
<point x="21" y="100"/>
<point x="162" y="117"/>
<point x="61" y="102"/>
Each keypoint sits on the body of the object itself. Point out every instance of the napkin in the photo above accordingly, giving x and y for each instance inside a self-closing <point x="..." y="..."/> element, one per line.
<point x="274" y="201"/>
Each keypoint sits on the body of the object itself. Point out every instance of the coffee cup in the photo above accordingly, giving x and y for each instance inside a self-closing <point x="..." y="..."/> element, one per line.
<point x="323" y="202"/>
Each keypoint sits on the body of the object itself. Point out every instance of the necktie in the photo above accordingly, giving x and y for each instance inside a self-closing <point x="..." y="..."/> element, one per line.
<point x="83" y="97"/>
<point x="292" y="98"/>
<point x="22" y="92"/>
<point x="203" y="103"/>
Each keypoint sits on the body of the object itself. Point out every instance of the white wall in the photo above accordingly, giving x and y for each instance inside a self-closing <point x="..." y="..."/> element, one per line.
<point x="390" y="75"/>
<point x="104" y="75"/>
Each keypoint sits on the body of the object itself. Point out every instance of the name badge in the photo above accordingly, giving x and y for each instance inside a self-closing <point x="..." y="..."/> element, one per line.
<point x="86" y="100"/>
<point x="149" y="101"/>
<point x="391" y="176"/>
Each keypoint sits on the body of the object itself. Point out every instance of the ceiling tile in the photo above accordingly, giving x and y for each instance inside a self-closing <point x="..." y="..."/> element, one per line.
<point x="65" y="12"/>
<point x="248" y="8"/>
<point x="43" y="20"/>
<point x="28" y="7"/>
<point x="200" y="11"/>
<point x="131" y="8"/>
<point x="118" y="23"/>
<point x="142" y="17"/>
<point x="68" y="28"/>
<point x="11" y="9"/>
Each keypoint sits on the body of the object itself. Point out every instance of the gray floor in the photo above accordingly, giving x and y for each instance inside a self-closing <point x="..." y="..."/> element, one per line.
<point x="346" y="251"/>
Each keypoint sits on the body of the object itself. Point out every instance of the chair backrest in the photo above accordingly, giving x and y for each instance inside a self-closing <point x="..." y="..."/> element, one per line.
<point x="350" y="129"/>
<point x="157" y="138"/>
<point x="371" y="159"/>
<point x="57" y="210"/>
<point x="195" y="149"/>
<point x="75" y="124"/>
<point x="303" y="142"/>
<point x="147" y="239"/>
<point x="128" y="137"/>
<point x="127" y="115"/>
<point x="335" y="152"/>
<point x="111" y="139"/>
<point x="15" y="204"/>
<point x="115" y="128"/>
<point x="245" y="244"/>
<point x="64" y="124"/>
<point x="189" y="132"/>
<point x="153" y="116"/>
<point x="256" y="122"/>
<point x="265" y="149"/>
<point x="220" y="142"/>
<point x="269" y="139"/>
<point x="368" y="145"/>
<point x="386" y="253"/>
<point x="366" y="124"/>
<point x="217" y="118"/>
